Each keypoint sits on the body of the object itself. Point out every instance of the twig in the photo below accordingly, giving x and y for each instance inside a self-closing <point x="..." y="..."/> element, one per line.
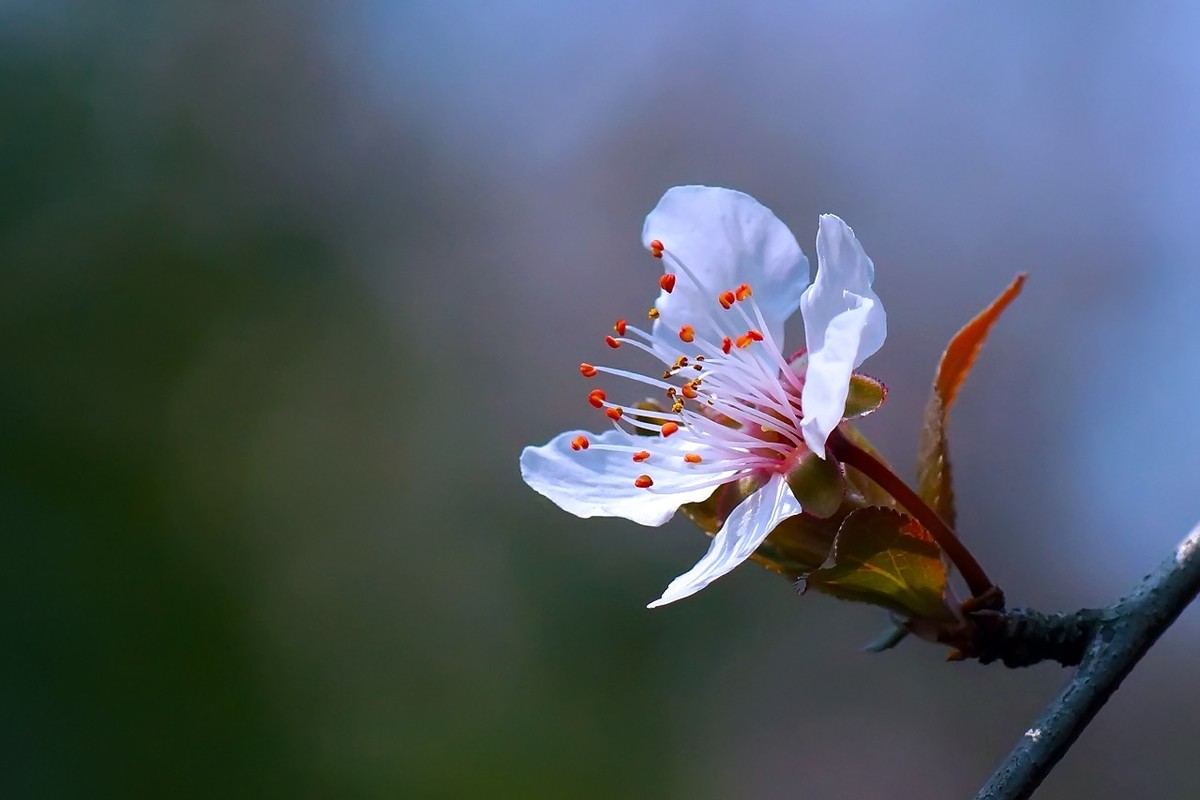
<point x="1122" y="635"/>
<point x="1021" y="637"/>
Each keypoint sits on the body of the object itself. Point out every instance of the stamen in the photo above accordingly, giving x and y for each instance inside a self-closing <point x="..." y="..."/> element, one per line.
<point x="691" y="458"/>
<point x="633" y="376"/>
<point x="667" y="282"/>
<point x="641" y="455"/>
<point x="587" y="370"/>
<point x="726" y="345"/>
<point x="677" y="406"/>
<point x="613" y="413"/>
<point x="689" y="391"/>
<point x="745" y="340"/>
<point x="687" y="333"/>
<point x="656" y="248"/>
<point x="619" y="327"/>
<point x="597" y="398"/>
<point x="743" y="291"/>
<point x="668" y="428"/>
<point x="682" y="361"/>
<point x="643" y="482"/>
<point x="652" y="313"/>
<point x="726" y="299"/>
<point x="611" y="342"/>
<point x="755" y="335"/>
<point x="580" y="443"/>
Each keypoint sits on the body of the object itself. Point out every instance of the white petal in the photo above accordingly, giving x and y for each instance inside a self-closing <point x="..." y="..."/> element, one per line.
<point x="725" y="238"/>
<point x="844" y="323"/>
<point x="599" y="483"/>
<point x="747" y="526"/>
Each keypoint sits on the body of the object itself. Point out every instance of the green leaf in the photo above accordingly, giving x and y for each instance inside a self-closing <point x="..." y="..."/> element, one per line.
<point x="885" y="558"/>
<point x="866" y="396"/>
<point x="819" y="485"/>
<point x="934" y="479"/>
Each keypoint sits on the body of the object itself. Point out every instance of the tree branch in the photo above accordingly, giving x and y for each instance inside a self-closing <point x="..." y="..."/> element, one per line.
<point x="1113" y="640"/>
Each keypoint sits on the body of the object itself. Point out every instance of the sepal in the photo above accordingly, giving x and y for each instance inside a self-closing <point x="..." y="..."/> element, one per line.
<point x="865" y="397"/>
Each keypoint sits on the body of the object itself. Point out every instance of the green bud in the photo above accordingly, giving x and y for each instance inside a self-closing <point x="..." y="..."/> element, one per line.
<point x="819" y="484"/>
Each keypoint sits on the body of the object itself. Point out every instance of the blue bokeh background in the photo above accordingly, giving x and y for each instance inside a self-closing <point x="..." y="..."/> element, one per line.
<point x="288" y="285"/>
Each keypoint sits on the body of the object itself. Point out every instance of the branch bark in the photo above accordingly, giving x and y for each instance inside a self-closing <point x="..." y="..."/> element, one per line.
<point x="1111" y="641"/>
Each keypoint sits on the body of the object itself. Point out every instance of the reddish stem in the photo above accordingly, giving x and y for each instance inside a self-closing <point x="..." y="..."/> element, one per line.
<point x="846" y="451"/>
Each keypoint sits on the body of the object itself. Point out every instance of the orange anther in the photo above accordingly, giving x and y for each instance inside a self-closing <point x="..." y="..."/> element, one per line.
<point x="687" y="333"/>
<point x="726" y="299"/>
<point x="755" y="335"/>
<point x="580" y="443"/>
<point x="619" y="327"/>
<point x="667" y="282"/>
<point x="641" y="455"/>
<point x="643" y="482"/>
<point x="587" y="370"/>
<point x="689" y="391"/>
<point x="691" y="458"/>
<point x="656" y="248"/>
<point x="743" y="291"/>
<point x="668" y="428"/>
<point x="652" y="313"/>
<point x="611" y="342"/>
<point x="745" y="340"/>
<point x="726" y="345"/>
<point x="613" y="413"/>
<point x="597" y="398"/>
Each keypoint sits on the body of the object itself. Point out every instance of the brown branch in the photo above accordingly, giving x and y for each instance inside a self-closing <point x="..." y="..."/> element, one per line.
<point x="1113" y="641"/>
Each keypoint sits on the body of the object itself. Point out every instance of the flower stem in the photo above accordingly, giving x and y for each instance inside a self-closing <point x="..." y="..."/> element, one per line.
<point x="846" y="451"/>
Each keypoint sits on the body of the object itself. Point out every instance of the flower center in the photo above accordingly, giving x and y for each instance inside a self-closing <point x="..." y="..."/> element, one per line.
<point x="732" y="401"/>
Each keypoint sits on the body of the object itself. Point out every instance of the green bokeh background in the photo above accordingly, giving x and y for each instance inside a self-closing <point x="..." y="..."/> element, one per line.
<point x="288" y="285"/>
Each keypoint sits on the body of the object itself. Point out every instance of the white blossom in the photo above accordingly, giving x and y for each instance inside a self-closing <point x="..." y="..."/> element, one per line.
<point x="734" y="405"/>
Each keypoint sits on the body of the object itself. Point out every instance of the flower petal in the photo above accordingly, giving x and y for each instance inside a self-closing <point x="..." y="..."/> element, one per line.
<point x="599" y="483"/>
<point x="726" y="238"/>
<point x="744" y="530"/>
<point x="844" y="323"/>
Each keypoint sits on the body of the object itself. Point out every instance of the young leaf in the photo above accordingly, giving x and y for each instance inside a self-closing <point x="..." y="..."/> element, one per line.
<point x="886" y="558"/>
<point x="934" y="482"/>
<point x="860" y="487"/>
<point x="889" y="637"/>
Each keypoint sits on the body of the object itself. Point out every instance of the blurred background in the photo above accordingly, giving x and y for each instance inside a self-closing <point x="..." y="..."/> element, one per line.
<point x="288" y="285"/>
